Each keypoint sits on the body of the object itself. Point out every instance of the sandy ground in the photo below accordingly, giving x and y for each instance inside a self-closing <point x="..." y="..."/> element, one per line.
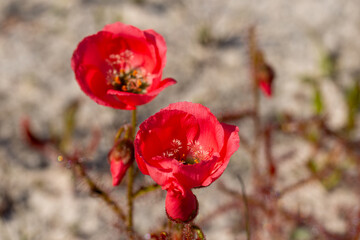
<point x="37" y="38"/>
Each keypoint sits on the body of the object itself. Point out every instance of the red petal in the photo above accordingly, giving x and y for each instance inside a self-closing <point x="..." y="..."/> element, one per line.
<point x="159" y="47"/>
<point x="156" y="134"/>
<point x="211" y="132"/>
<point x="192" y="176"/>
<point x="231" y="145"/>
<point x="120" y="28"/>
<point x="162" y="169"/>
<point x="135" y="40"/>
<point x="93" y="84"/>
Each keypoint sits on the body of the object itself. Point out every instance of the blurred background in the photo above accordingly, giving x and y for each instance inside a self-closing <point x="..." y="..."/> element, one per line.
<point x="208" y="56"/>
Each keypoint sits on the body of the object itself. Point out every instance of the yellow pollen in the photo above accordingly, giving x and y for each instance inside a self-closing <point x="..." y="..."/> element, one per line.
<point x="138" y="83"/>
<point x="60" y="158"/>
<point x="117" y="79"/>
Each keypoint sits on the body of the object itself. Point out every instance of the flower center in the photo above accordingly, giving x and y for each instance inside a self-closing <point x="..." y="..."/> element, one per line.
<point x="188" y="154"/>
<point x="123" y="77"/>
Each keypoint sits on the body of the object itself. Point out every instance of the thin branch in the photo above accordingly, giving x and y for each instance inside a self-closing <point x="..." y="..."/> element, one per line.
<point x="239" y="115"/>
<point x="96" y="190"/>
<point x="296" y="186"/>
<point x="144" y="190"/>
<point x="246" y="205"/>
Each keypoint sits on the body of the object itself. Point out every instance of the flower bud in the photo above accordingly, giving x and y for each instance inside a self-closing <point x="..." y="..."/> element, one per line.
<point x="181" y="207"/>
<point x="120" y="157"/>
<point x="265" y="76"/>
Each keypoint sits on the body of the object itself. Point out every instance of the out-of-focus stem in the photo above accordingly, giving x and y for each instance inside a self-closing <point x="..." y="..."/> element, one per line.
<point x="296" y="186"/>
<point x="272" y="170"/>
<point x="95" y="189"/>
<point x="144" y="190"/>
<point x="246" y="205"/>
<point x="253" y="52"/>
<point x="256" y="128"/>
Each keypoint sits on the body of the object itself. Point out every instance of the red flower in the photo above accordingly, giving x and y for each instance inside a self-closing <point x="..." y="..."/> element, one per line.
<point x="121" y="66"/>
<point x="182" y="147"/>
<point x="121" y="156"/>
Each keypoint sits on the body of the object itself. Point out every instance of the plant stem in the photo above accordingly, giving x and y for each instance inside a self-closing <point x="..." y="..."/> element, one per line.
<point x="130" y="197"/>
<point x="130" y="182"/>
<point x="187" y="231"/>
<point x="133" y="123"/>
<point x="246" y="206"/>
<point x="254" y="61"/>
<point x="256" y="128"/>
<point x="146" y="189"/>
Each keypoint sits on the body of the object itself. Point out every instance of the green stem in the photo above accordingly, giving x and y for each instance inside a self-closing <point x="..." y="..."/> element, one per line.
<point x="130" y="182"/>
<point x="146" y="189"/>
<point x="130" y="197"/>
<point x="133" y="123"/>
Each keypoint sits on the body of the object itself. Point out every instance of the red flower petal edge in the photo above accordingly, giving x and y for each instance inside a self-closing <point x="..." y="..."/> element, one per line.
<point x="184" y="146"/>
<point x="121" y="66"/>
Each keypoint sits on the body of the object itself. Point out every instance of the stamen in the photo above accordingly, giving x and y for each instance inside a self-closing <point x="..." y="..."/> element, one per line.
<point x="193" y="153"/>
<point x="123" y="76"/>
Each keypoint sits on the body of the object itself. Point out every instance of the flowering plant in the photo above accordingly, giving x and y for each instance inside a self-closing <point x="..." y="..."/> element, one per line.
<point x="182" y="147"/>
<point x="121" y="66"/>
